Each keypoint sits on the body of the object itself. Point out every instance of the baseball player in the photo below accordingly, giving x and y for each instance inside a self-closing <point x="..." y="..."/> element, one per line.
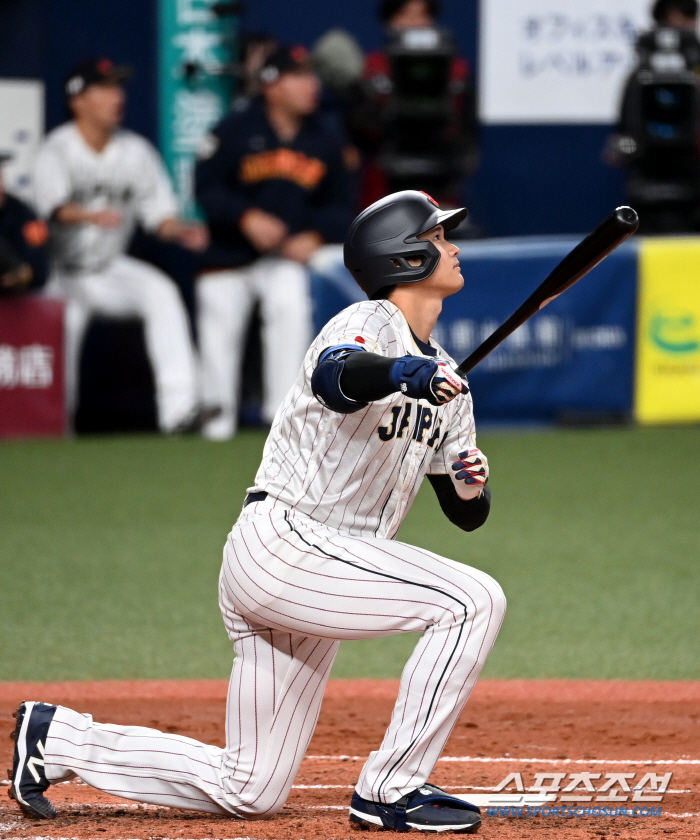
<point x="312" y="560"/>
<point x="93" y="180"/>
<point x="271" y="180"/>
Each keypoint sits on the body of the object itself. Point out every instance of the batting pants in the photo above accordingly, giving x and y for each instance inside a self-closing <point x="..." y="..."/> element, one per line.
<point x="225" y="300"/>
<point x="290" y="590"/>
<point x="126" y="288"/>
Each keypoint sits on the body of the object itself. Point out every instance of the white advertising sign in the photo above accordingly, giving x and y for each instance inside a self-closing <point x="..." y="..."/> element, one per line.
<point x="556" y="61"/>
<point x="21" y="130"/>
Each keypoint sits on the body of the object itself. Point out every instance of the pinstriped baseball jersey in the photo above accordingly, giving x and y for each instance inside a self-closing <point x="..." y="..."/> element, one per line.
<point x="360" y="472"/>
<point x="127" y="176"/>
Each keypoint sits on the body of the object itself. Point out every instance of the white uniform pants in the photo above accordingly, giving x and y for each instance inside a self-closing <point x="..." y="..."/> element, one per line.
<point x="225" y="301"/>
<point x="126" y="288"/>
<point x="290" y="590"/>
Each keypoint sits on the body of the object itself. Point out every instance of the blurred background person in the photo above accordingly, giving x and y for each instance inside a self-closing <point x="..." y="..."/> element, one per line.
<point x="414" y="115"/>
<point x="659" y="129"/>
<point x="23" y="243"/>
<point x="253" y="49"/>
<point x="272" y="182"/>
<point x="93" y="180"/>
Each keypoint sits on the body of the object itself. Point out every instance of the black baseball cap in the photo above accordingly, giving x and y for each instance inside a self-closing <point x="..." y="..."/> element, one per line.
<point x="96" y="71"/>
<point x="285" y="59"/>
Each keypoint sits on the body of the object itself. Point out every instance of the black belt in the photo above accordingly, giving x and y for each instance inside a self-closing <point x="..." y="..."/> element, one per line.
<point x="260" y="496"/>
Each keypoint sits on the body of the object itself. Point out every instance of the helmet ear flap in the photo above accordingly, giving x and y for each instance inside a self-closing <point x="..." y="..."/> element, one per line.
<point x="420" y="249"/>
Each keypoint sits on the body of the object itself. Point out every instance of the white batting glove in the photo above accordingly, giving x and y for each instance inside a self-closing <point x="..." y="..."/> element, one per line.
<point x="470" y="473"/>
<point x="446" y="384"/>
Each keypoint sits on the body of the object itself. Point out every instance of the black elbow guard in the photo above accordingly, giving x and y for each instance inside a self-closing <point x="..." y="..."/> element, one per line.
<point x="325" y="380"/>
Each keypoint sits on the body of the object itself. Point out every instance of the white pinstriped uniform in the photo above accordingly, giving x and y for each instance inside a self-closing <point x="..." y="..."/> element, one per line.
<point x="90" y="268"/>
<point x="312" y="564"/>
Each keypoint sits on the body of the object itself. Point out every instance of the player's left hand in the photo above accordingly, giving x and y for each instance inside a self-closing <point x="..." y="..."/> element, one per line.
<point x="302" y="246"/>
<point x="446" y="383"/>
<point x="193" y="237"/>
<point x="433" y="379"/>
<point x="470" y="473"/>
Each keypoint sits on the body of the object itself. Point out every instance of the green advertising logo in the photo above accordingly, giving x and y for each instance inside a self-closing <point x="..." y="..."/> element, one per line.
<point x="195" y="85"/>
<point x="675" y="333"/>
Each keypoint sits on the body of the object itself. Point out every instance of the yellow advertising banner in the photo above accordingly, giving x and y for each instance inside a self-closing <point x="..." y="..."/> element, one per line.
<point x="668" y="331"/>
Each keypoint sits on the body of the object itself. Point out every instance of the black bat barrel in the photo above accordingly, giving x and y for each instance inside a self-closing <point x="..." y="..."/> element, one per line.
<point x="577" y="263"/>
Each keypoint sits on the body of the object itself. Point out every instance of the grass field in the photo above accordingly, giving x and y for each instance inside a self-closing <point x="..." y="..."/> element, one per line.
<point x="110" y="549"/>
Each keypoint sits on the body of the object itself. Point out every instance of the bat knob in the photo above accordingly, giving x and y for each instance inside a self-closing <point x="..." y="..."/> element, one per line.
<point x="627" y="218"/>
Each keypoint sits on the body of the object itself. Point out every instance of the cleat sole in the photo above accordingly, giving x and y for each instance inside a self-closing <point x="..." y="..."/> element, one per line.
<point x="360" y="823"/>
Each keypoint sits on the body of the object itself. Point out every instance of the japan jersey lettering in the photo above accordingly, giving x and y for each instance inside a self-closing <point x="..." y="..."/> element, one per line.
<point x="360" y="472"/>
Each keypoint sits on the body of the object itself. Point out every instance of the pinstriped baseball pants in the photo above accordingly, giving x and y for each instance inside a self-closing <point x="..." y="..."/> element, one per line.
<point x="290" y="590"/>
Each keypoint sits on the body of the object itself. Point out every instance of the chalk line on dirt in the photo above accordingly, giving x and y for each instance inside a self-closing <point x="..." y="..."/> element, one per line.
<point x="506" y="759"/>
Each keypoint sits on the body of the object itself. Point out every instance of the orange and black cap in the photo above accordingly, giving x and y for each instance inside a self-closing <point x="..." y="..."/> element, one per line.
<point x="285" y="59"/>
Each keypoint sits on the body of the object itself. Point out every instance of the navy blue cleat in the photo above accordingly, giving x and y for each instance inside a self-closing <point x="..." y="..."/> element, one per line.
<point x="428" y="808"/>
<point x="28" y="779"/>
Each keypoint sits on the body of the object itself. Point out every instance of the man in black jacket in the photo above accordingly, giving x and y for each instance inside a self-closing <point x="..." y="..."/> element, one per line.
<point x="23" y="237"/>
<point x="273" y="185"/>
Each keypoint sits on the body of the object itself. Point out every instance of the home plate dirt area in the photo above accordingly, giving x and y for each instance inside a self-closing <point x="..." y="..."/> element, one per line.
<point x="576" y="729"/>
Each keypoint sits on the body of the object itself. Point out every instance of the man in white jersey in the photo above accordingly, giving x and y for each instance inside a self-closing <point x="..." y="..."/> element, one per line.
<point x="312" y="561"/>
<point x="92" y="181"/>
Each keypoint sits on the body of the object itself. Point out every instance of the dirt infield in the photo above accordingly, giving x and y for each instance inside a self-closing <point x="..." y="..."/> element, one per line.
<point x="509" y="726"/>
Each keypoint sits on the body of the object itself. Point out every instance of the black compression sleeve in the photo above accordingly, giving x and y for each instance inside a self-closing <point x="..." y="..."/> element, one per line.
<point x="467" y="515"/>
<point x="365" y="377"/>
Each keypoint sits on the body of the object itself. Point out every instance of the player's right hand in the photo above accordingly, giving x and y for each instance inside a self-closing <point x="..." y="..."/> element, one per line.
<point x="302" y="246"/>
<point x="435" y="380"/>
<point x="105" y="218"/>
<point x="264" y="231"/>
<point x="470" y="473"/>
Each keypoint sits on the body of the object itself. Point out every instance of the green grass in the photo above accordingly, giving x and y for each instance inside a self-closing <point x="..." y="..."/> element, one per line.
<point x="110" y="550"/>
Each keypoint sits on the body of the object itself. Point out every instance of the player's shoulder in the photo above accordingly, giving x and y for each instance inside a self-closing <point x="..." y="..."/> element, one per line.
<point x="128" y="139"/>
<point x="137" y="152"/>
<point x="365" y="311"/>
<point x="60" y="137"/>
<point x="371" y="323"/>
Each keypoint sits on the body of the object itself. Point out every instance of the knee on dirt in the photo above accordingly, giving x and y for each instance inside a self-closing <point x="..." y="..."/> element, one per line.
<point x="260" y="808"/>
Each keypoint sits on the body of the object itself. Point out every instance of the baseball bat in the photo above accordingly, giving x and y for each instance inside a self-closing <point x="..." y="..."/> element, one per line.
<point x="576" y="264"/>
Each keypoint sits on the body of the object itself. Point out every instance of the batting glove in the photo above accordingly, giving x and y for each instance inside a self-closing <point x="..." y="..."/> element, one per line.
<point x="435" y="380"/>
<point x="470" y="473"/>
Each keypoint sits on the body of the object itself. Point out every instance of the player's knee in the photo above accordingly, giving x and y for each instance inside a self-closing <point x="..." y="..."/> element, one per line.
<point x="496" y="597"/>
<point x="486" y="599"/>
<point x="259" y="808"/>
<point x="211" y="293"/>
<point x="287" y="309"/>
<point x="165" y="292"/>
<point x="288" y="291"/>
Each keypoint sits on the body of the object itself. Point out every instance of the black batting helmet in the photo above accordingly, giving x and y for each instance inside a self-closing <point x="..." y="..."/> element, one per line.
<point x="384" y="235"/>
